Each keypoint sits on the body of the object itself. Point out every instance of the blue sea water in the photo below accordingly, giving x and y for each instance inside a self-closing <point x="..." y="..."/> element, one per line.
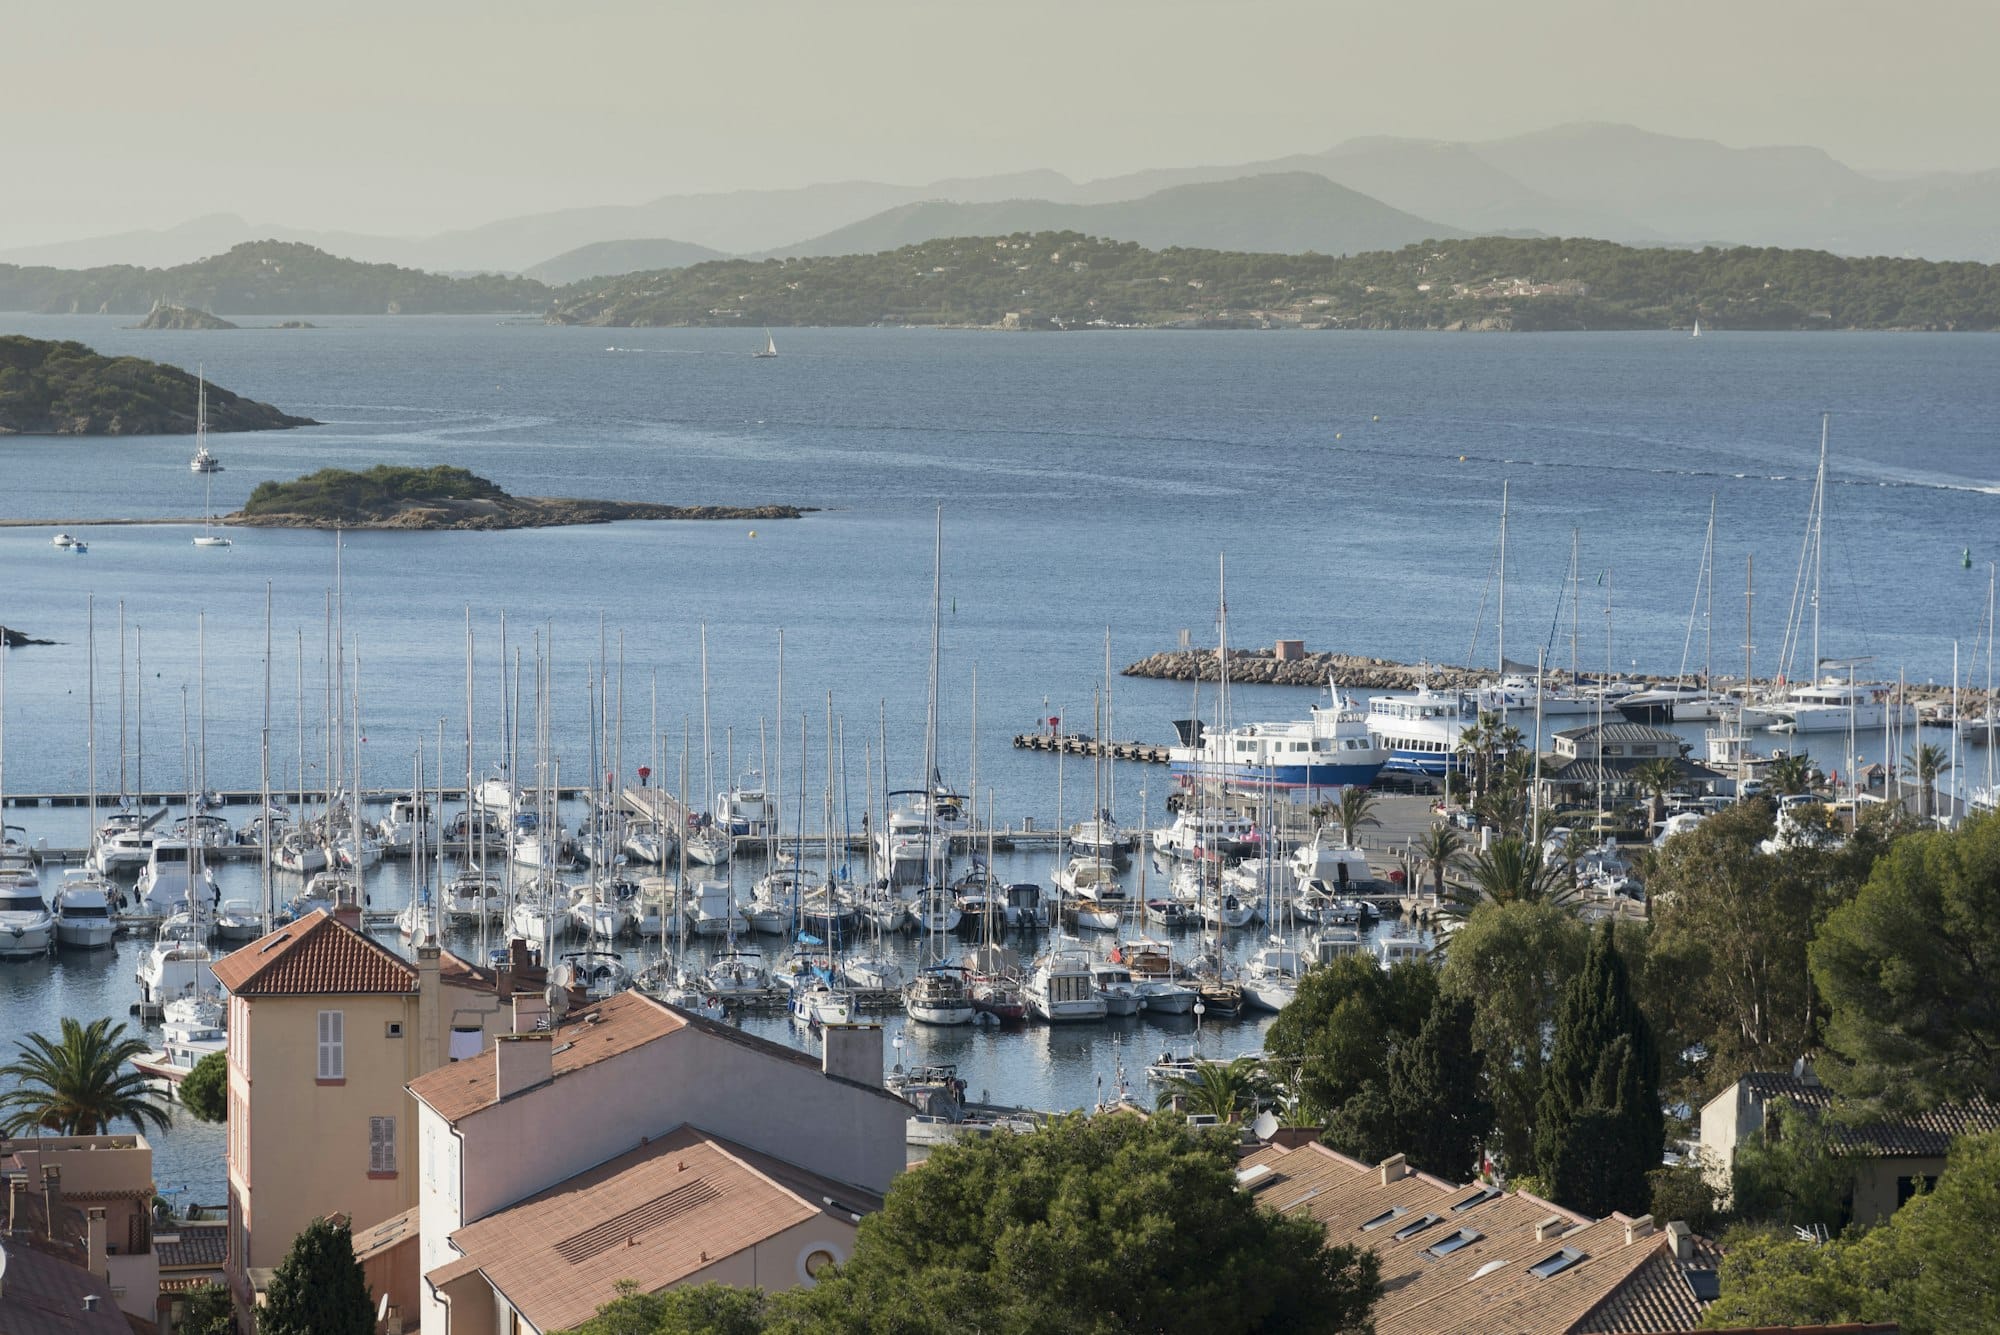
<point x="1087" y="483"/>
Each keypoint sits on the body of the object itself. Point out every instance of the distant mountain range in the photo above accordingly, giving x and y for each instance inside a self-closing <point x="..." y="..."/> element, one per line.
<point x="606" y="258"/>
<point x="1612" y="182"/>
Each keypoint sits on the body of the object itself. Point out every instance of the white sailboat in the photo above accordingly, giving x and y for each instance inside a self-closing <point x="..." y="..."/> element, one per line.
<point x="770" y="348"/>
<point x="1696" y="331"/>
<point x="204" y="463"/>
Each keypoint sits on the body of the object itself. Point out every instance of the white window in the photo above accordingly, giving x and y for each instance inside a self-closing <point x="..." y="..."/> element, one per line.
<point x="381" y="1144"/>
<point x="332" y="1046"/>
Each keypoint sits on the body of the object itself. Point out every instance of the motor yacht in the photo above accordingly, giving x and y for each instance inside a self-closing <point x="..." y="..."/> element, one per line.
<point x="27" y="928"/>
<point x="1060" y="987"/>
<point x="1327" y="857"/>
<point x="409" y="819"/>
<point x="1271" y="978"/>
<point x="1420" y="732"/>
<point x="1103" y="838"/>
<point x="1832" y="705"/>
<point x="178" y="964"/>
<point x="1113" y="983"/>
<point x="712" y="911"/>
<point x="170" y="879"/>
<point x="82" y="911"/>
<point x="902" y="850"/>
<point x="192" y="1028"/>
<point x="746" y="809"/>
<point x="239" y="920"/>
<point x="1206" y="833"/>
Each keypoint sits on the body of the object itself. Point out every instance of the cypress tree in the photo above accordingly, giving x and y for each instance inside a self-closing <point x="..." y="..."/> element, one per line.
<point x="318" y="1288"/>
<point x="1437" y="1086"/>
<point x="1599" y="1128"/>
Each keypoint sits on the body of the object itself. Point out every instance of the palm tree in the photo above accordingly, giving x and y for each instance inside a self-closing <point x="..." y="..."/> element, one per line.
<point x="1656" y="778"/>
<point x="1357" y="808"/>
<point x="1222" y="1090"/>
<point x="1511" y="871"/>
<point x="80" y="1086"/>
<point x="1793" y="775"/>
<point x="1926" y="763"/>
<point x="1437" y="849"/>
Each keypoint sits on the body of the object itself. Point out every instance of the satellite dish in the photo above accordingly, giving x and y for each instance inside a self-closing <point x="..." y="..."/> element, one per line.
<point x="1265" y="1126"/>
<point x="382" y="1309"/>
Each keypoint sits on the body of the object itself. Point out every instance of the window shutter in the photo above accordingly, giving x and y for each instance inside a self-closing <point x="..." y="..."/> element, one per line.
<point x="332" y="1059"/>
<point x="381" y="1144"/>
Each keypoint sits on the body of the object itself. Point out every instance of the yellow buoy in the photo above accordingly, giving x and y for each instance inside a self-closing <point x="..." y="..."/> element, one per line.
<point x="1461" y="458"/>
<point x="1376" y="418"/>
<point x="753" y="532"/>
<point x="1336" y="435"/>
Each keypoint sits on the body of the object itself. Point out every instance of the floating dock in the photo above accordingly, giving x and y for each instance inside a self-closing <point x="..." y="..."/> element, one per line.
<point x="1078" y="744"/>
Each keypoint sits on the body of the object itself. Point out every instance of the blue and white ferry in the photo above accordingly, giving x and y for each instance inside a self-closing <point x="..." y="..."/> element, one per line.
<point x="1420" y="732"/>
<point x="1331" y="749"/>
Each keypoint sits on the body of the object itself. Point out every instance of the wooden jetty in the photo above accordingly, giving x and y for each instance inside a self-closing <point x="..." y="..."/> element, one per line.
<point x="1081" y="744"/>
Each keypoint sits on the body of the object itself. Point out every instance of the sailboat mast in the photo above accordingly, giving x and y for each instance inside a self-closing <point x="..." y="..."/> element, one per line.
<point x="122" y="789"/>
<point x="707" y="750"/>
<point x="1708" y="612"/>
<point x="90" y="701"/>
<point x="778" y="755"/>
<point x="1501" y="624"/>
<point x="264" y="772"/>
<point x="1819" y="537"/>
<point x="1575" y="596"/>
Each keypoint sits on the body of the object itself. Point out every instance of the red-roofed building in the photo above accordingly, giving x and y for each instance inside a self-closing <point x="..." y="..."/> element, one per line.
<point x="326" y="1028"/>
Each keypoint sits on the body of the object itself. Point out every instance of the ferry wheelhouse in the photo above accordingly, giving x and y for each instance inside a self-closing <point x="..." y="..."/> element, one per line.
<point x="1420" y="732"/>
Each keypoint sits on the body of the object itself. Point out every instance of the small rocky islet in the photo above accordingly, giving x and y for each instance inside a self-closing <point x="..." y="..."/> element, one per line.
<point x="389" y="496"/>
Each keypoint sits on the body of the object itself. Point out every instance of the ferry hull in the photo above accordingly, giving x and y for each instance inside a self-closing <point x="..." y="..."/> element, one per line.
<point x="1280" y="776"/>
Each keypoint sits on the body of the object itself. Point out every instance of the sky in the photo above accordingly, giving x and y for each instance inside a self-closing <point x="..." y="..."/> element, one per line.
<point x="416" y="116"/>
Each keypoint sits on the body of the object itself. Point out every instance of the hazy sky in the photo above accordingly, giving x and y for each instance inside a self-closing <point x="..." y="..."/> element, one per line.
<point x="420" y="115"/>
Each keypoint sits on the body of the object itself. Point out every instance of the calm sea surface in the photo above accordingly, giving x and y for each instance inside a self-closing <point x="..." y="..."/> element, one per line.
<point x="1087" y="483"/>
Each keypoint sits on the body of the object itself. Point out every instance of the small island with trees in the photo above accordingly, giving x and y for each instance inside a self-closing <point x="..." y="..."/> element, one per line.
<point x="50" y="388"/>
<point x="389" y="496"/>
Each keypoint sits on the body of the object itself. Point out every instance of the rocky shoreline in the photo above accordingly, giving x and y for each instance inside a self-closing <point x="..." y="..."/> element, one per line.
<point x="514" y="512"/>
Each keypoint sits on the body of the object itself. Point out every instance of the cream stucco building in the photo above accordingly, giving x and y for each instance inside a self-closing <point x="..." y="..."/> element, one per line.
<point x="326" y="1029"/>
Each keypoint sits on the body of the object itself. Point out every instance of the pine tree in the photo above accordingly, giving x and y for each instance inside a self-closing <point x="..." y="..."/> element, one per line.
<point x="1599" y="1128"/>
<point x="319" y="1288"/>
<point x="1437" y="1086"/>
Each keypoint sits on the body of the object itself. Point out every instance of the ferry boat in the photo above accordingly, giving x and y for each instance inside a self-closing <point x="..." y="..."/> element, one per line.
<point x="1421" y="732"/>
<point x="1332" y="748"/>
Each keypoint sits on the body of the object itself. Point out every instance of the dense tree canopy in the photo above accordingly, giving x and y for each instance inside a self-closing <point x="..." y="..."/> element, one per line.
<point x="1599" y="1127"/>
<point x="318" y="1289"/>
<point x="1928" y="1268"/>
<point x="204" y="1091"/>
<point x="1911" y="971"/>
<point x="1088" y="1225"/>
<point x="1335" y="1037"/>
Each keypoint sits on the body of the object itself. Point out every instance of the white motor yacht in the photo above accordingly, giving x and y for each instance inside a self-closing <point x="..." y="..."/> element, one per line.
<point x="902" y="850"/>
<point x="409" y="819"/>
<point x="1114" y="985"/>
<point x="178" y="964"/>
<point x="746" y="810"/>
<point x="170" y="879"/>
<point x="1400" y="949"/>
<point x="1326" y="857"/>
<point x="1206" y="834"/>
<point x="498" y="795"/>
<point x="27" y="928"/>
<point x="711" y="911"/>
<point x="1060" y="987"/>
<point x="239" y="920"/>
<point x="123" y="843"/>
<point x="193" y="1028"/>
<point x="1102" y="837"/>
<point x="1831" y="705"/>
<point x="82" y="911"/>
<point x="1271" y="979"/>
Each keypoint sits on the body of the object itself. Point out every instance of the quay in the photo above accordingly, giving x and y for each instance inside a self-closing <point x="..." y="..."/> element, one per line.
<point x="1081" y="744"/>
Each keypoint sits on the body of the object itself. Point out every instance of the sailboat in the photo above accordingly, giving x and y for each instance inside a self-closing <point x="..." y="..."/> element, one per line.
<point x="770" y="348"/>
<point x="940" y="993"/>
<point x="205" y="464"/>
<point x="1696" y="331"/>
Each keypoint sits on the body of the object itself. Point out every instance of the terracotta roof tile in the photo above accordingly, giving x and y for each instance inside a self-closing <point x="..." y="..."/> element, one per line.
<point x="654" y="1215"/>
<point x="624" y="1022"/>
<point x="314" y="956"/>
<point x="197" y="1245"/>
<point x="1485" y="1285"/>
<point x="1658" y="1297"/>
<point x="1925" y="1135"/>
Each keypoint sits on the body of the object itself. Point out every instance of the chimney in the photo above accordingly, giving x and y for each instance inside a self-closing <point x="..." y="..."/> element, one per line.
<point x="522" y="1061"/>
<point x="97" y="1242"/>
<point x="51" y="1197"/>
<point x="90" y="1302"/>
<point x="853" y="1052"/>
<point x="347" y="913"/>
<point x="1681" y="1238"/>
<point x="429" y="1000"/>
<point x="17" y="1201"/>
<point x="1393" y="1169"/>
<point x="1552" y="1227"/>
<point x="1635" y="1229"/>
<point x="1803" y="1069"/>
<point x="531" y="1012"/>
